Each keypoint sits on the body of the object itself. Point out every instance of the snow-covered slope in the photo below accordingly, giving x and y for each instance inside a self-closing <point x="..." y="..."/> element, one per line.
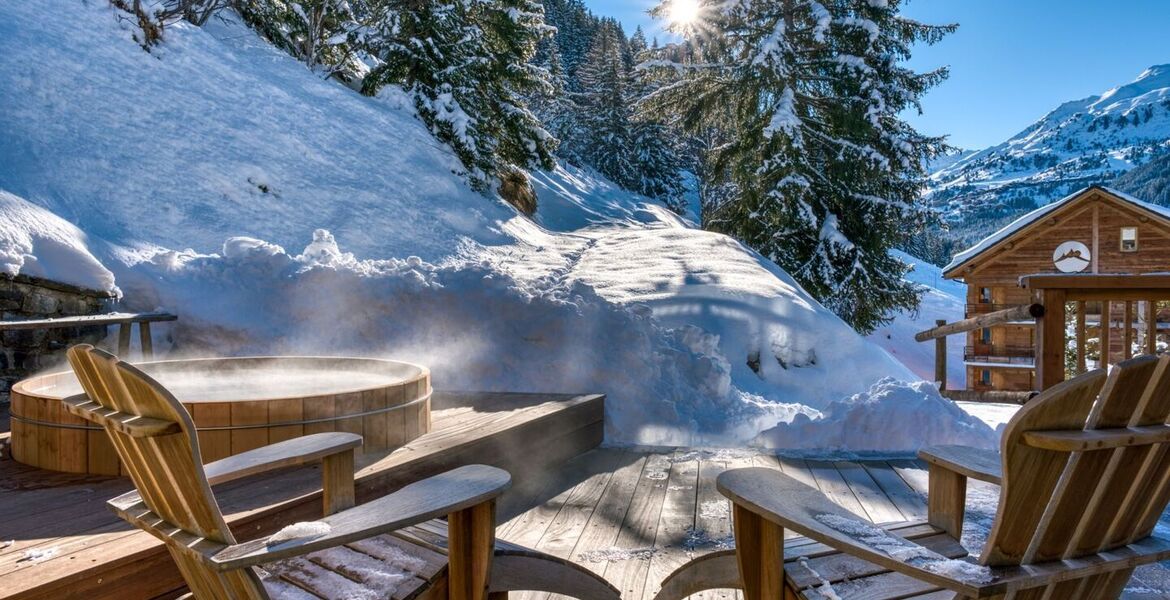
<point x="1083" y="142"/>
<point x="187" y="174"/>
<point x="943" y="299"/>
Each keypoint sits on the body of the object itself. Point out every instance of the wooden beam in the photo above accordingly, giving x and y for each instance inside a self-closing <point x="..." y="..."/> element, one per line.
<point x="1151" y="327"/>
<point x="940" y="357"/>
<point x="1097" y="282"/>
<point x="86" y="321"/>
<point x="1118" y="295"/>
<point x="1050" y="340"/>
<point x="992" y="396"/>
<point x="1127" y="350"/>
<point x="1081" y="335"/>
<point x="1106" y="327"/>
<point x="999" y="317"/>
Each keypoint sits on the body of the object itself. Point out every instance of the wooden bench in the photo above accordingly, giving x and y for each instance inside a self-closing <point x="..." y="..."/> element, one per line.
<point x="124" y="321"/>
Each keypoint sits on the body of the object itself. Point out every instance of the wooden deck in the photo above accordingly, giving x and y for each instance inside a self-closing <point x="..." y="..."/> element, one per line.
<point x="59" y="540"/>
<point x="631" y="515"/>
<point x="635" y="516"/>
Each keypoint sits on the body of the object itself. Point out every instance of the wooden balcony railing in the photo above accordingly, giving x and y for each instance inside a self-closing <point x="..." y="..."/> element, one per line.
<point x="995" y="353"/>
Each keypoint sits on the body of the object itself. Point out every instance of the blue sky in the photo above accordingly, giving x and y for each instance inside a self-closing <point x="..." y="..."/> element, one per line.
<point x="1011" y="60"/>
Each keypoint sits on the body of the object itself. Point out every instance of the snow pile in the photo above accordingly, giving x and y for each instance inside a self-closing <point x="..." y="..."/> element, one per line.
<point x="943" y="299"/>
<point x="37" y="242"/>
<point x="892" y="417"/>
<point x="159" y="158"/>
<point x="301" y="530"/>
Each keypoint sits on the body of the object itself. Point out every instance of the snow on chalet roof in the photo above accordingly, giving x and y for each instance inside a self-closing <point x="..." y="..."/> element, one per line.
<point x="1035" y="215"/>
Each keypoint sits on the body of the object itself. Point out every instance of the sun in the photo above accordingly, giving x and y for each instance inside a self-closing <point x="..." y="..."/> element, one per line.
<point x="684" y="12"/>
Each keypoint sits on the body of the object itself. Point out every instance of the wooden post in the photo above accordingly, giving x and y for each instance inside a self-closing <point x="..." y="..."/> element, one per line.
<point x="759" y="549"/>
<point x="124" y="340"/>
<point x="147" y="342"/>
<point x="470" y="543"/>
<point x="1050" y="340"/>
<point x="1081" y="334"/>
<point x="940" y="358"/>
<point x="1127" y="339"/>
<point x="1151" y="327"/>
<point x="1106" y="333"/>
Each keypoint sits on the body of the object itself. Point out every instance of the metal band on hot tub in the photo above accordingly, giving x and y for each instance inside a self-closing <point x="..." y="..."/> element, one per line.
<point x="418" y="400"/>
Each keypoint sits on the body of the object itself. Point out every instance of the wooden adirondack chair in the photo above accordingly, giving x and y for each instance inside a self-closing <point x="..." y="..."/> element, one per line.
<point x="1085" y="475"/>
<point x="392" y="546"/>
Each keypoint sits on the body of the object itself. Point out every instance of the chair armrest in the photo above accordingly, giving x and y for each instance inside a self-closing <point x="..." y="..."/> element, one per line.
<point x="793" y="505"/>
<point x="443" y="494"/>
<point x="289" y="453"/>
<point x="976" y="463"/>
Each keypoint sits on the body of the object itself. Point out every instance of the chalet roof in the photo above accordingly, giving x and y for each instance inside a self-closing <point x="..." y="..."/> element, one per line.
<point x="994" y="239"/>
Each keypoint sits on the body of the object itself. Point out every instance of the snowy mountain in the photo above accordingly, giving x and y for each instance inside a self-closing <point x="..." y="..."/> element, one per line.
<point x="190" y="178"/>
<point x="1093" y="140"/>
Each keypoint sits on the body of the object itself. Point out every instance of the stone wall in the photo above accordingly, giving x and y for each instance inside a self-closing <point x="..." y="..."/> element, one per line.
<point x="25" y="352"/>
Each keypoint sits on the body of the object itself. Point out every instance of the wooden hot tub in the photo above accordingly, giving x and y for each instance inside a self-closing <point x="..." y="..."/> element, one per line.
<point x="237" y="404"/>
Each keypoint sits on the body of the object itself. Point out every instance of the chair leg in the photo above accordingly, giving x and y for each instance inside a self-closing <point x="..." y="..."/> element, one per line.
<point x="946" y="500"/>
<point x="760" y="553"/>
<point x="337" y="482"/>
<point x="470" y="544"/>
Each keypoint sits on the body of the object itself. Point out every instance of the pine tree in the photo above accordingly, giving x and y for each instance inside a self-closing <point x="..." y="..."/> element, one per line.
<point x="606" y="139"/>
<point x="826" y="176"/>
<point x="467" y="66"/>
<point x="638" y="43"/>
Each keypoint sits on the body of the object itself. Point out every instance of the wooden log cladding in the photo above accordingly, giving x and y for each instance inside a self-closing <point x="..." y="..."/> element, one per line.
<point x="999" y="317"/>
<point x="388" y="416"/>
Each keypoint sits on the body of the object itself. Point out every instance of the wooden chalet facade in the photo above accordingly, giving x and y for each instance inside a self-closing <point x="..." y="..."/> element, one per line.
<point x="1093" y="231"/>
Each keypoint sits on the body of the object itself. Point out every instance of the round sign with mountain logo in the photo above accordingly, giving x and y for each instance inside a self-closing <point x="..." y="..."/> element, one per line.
<point x="1072" y="257"/>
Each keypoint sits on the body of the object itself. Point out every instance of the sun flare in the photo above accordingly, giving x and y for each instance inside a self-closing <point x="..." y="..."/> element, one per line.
<point x="684" y="12"/>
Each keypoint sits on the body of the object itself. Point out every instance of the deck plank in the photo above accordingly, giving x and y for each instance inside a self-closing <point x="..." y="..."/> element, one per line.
<point x="877" y="504"/>
<point x="676" y="520"/>
<point x="640" y="527"/>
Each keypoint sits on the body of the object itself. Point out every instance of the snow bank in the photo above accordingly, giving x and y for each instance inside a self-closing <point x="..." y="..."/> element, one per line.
<point x="36" y="242"/>
<point x="943" y="299"/>
<point x="892" y="417"/>
<point x="161" y="157"/>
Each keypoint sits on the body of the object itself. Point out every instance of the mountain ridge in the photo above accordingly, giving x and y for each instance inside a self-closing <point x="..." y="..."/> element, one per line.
<point x="1092" y="140"/>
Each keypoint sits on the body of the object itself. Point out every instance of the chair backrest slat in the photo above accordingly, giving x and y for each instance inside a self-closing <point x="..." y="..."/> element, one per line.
<point x="1089" y="478"/>
<point x="166" y="469"/>
<point x="1063" y="504"/>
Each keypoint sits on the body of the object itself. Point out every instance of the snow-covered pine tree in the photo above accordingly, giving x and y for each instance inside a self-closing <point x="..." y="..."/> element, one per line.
<point x="606" y="140"/>
<point x="322" y="33"/>
<point x="466" y="65"/>
<point x="638" y="43"/>
<point x="827" y="176"/>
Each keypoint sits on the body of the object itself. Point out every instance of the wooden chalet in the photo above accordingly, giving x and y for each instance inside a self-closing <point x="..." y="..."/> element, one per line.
<point x="1088" y="235"/>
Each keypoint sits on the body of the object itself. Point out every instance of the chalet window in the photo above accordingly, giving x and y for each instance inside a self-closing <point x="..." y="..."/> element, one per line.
<point x="1129" y="241"/>
<point x="985" y="376"/>
<point x="985" y="295"/>
<point x="986" y="335"/>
